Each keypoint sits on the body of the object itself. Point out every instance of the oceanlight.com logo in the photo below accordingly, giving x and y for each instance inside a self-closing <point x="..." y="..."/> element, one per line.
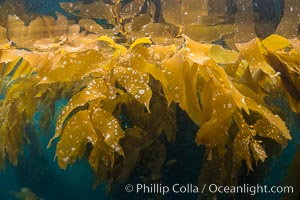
<point x="250" y="189"/>
<point x="158" y="188"/>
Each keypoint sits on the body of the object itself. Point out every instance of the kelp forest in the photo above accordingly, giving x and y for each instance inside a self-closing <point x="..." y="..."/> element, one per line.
<point x="136" y="88"/>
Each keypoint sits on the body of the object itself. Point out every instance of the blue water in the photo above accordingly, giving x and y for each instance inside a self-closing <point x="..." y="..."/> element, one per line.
<point x="45" y="7"/>
<point x="279" y="166"/>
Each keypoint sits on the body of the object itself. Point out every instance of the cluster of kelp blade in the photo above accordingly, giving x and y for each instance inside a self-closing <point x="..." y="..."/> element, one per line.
<point x="122" y="97"/>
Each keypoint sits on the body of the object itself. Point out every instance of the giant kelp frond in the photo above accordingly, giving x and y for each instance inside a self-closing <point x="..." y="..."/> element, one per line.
<point x="122" y="88"/>
<point x="122" y="79"/>
<point x="211" y="99"/>
<point x="101" y="130"/>
<point x="285" y="60"/>
<point x="274" y="62"/>
<point x="17" y="111"/>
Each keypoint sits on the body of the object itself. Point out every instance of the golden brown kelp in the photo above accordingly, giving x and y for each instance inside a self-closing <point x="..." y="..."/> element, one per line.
<point x="190" y="76"/>
<point x="122" y="96"/>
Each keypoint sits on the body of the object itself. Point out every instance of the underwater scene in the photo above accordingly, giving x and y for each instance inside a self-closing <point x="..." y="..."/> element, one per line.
<point x="149" y="99"/>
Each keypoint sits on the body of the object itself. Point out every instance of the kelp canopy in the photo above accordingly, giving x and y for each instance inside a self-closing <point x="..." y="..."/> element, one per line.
<point x="124" y="67"/>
